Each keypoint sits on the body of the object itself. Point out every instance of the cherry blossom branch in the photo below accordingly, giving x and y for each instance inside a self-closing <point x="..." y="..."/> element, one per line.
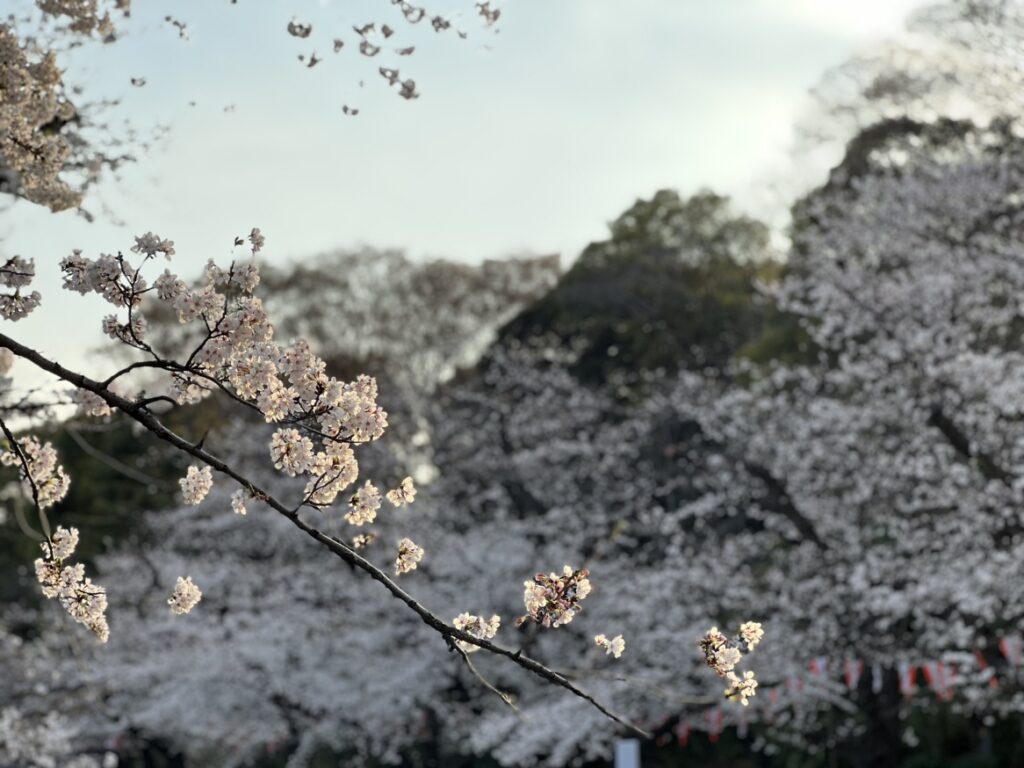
<point x="138" y="411"/>
<point x="23" y="460"/>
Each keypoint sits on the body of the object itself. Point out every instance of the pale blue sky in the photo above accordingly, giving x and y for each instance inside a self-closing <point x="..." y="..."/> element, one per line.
<point x="577" y="108"/>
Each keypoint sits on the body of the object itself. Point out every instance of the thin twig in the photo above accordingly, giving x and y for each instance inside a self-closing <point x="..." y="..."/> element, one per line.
<point x="485" y="682"/>
<point x="119" y="466"/>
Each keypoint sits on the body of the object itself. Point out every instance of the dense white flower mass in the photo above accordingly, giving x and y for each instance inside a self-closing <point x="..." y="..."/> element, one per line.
<point x="185" y="597"/>
<point x="291" y="452"/>
<point x="34" y="98"/>
<point x="238" y="502"/>
<point x="196" y="483"/>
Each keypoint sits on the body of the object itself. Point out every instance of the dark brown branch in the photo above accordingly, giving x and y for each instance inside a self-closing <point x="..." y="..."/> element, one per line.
<point x="989" y="467"/>
<point x="784" y="503"/>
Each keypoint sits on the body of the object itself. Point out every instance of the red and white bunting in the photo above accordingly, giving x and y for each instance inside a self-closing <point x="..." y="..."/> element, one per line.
<point x="852" y="671"/>
<point x="1010" y="646"/>
<point x="773" y="703"/>
<point x="715" y="721"/>
<point x="938" y="676"/>
<point x="819" y="666"/>
<point x="876" y="678"/>
<point x="795" y="685"/>
<point x="682" y="731"/>
<point x="908" y="678"/>
<point x="983" y="665"/>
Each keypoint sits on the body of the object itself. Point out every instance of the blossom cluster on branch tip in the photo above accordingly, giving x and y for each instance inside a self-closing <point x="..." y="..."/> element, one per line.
<point x="364" y="505"/>
<point x="722" y="654"/>
<point x="238" y="502"/>
<point x="84" y="601"/>
<point x="751" y="633"/>
<point x="185" y="596"/>
<point x="17" y="273"/>
<point x="409" y="556"/>
<point x="553" y="600"/>
<point x="478" y="627"/>
<point x="363" y="540"/>
<point x="404" y="494"/>
<point x="741" y="689"/>
<point x="42" y="477"/>
<point x="196" y="483"/>
<point x="616" y="646"/>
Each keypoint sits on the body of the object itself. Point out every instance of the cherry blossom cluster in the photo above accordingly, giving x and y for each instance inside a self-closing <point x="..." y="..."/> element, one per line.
<point x="84" y="601"/>
<point x="17" y="273"/>
<point x="741" y="688"/>
<point x="722" y="654"/>
<point x="409" y="556"/>
<point x="185" y="596"/>
<point x="43" y="479"/>
<point x="614" y="647"/>
<point x="478" y="627"/>
<point x="404" y="494"/>
<point x="196" y="483"/>
<point x="33" y="98"/>
<point x="553" y="600"/>
<point x="364" y="505"/>
<point x="362" y="540"/>
<point x="238" y="502"/>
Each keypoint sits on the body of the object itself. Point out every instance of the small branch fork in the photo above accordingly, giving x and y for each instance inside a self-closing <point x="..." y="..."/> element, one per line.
<point x="138" y="411"/>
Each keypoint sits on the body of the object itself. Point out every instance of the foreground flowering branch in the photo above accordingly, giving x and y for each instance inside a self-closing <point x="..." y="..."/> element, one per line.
<point x="229" y="348"/>
<point x="139" y="411"/>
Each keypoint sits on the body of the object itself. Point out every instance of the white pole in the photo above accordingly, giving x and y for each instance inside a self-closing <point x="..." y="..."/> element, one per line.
<point x="627" y="753"/>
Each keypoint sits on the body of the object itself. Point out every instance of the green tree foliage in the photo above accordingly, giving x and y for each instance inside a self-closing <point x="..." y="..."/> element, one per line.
<point x="674" y="286"/>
